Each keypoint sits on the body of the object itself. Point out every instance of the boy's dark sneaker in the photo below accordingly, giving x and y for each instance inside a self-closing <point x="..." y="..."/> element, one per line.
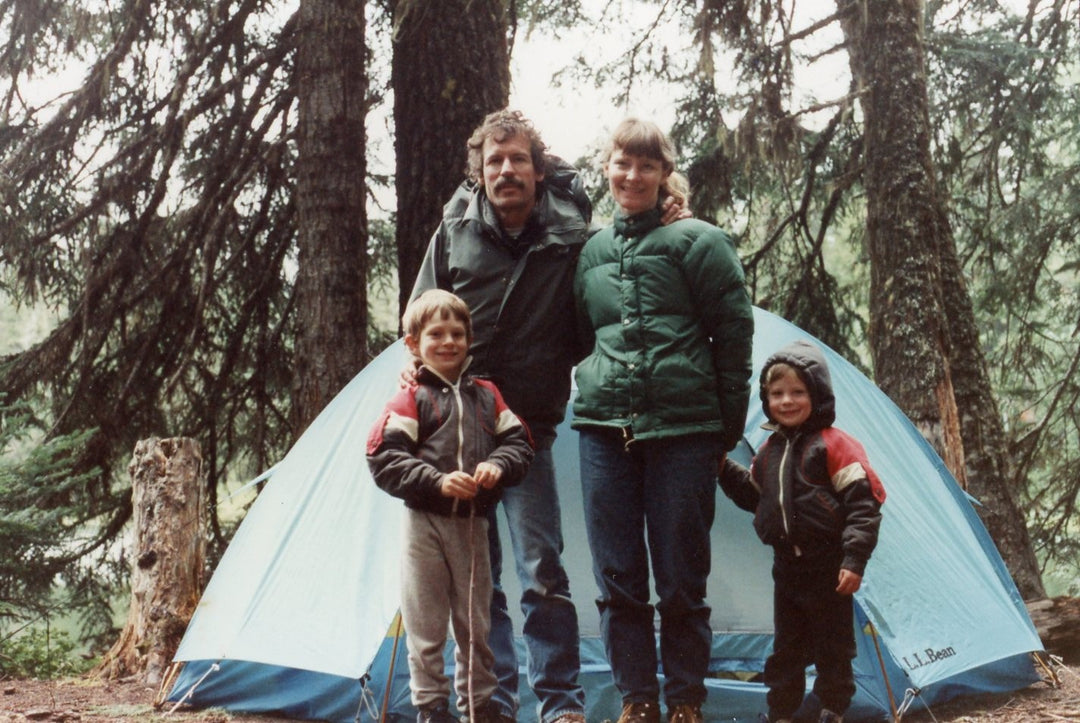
<point x="685" y="713"/>
<point x="486" y="712"/>
<point x="437" y="712"/>
<point x="647" y="711"/>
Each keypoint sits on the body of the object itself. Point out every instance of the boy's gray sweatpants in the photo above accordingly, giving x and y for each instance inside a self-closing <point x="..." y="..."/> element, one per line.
<point x="446" y="570"/>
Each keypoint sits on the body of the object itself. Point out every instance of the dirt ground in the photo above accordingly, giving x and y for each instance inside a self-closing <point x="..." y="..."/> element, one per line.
<point x="89" y="701"/>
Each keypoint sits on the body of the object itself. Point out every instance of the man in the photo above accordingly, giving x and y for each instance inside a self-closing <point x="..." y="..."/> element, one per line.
<point x="507" y="246"/>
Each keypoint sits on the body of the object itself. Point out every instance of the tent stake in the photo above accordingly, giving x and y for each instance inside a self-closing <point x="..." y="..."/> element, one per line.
<point x="396" y="627"/>
<point x="884" y="675"/>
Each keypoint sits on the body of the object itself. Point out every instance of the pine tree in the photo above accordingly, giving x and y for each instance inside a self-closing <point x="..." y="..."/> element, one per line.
<point x="194" y="212"/>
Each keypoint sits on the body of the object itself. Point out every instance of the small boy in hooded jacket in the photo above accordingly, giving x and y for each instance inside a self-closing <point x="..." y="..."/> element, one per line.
<point x="817" y="502"/>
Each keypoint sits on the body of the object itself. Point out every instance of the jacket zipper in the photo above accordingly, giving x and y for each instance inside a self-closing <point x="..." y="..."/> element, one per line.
<point x="783" y="507"/>
<point x="460" y="435"/>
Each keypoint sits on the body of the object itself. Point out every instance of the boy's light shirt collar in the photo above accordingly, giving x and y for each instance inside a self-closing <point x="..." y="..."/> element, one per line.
<point x="774" y="427"/>
<point x="464" y="365"/>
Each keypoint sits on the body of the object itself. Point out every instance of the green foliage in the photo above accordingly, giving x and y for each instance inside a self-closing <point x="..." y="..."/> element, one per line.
<point x="38" y="652"/>
<point x="1007" y="111"/>
<point x="52" y="532"/>
<point x="151" y="210"/>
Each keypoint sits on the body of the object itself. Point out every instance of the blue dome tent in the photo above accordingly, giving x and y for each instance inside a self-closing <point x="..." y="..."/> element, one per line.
<point x="300" y="617"/>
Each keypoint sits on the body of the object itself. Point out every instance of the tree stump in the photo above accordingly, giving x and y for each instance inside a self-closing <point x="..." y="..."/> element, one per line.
<point x="1057" y="620"/>
<point x="168" y="556"/>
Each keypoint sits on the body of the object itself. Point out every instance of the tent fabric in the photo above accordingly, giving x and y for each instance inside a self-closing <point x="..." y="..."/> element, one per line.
<point x="297" y="614"/>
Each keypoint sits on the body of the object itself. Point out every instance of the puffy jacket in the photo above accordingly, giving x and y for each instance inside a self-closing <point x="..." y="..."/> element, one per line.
<point x="432" y="427"/>
<point x="519" y="292"/>
<point x="812" y="489"/>
<point x="669" y="323"/>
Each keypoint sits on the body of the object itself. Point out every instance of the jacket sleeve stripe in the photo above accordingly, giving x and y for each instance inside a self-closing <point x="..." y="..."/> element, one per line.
<point x="506" y="420"/>
<point x="400" y="414"/>
<point x="847" y="476"/>
<point x="844" y="451"/>
<point x="400" y="423"/>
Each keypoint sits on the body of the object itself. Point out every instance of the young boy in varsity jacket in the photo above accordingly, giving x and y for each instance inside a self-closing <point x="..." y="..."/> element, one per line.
<point x="817" y="502"/>
<point x="446" y="444"/>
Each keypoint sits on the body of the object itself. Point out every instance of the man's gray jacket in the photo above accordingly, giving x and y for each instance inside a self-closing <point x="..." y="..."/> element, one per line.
<point x="520" y="294"/>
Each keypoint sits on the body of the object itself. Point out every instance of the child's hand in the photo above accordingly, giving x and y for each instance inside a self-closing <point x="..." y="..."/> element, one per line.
<point x="849" y="582"/>
<point x="458" y="484"/>
<point x="487" y="475"/>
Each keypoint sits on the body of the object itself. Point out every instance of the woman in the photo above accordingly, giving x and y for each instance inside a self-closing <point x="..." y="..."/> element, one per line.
<point x="662" y="397"/>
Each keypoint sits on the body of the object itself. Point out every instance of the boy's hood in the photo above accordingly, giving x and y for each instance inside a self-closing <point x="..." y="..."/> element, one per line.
<point x="809" y="361"/>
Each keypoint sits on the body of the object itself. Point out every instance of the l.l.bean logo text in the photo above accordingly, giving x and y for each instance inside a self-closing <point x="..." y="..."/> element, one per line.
<point x="926" y="657"/>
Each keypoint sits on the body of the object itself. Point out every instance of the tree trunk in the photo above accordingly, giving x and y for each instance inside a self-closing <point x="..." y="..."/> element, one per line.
<point x="986" y="453"/>
<point x="922" y="333"/>
<point x="167" y="557"/>
<point x="905" y="220"/>
<point x="450" y="68"/>
<point x="331" y="282"/>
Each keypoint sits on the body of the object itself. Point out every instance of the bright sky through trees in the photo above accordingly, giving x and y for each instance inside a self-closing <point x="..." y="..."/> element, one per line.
<point x="575" y="118"/>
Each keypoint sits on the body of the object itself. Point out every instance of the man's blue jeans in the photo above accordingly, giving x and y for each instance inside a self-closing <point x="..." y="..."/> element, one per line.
<point x="551" y="625"/>
<point x="654" y="500"/>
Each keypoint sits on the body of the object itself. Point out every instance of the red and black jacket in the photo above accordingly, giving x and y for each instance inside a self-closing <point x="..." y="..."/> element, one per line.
<point x="811" y="489"/>
<point x="432" y="428"/>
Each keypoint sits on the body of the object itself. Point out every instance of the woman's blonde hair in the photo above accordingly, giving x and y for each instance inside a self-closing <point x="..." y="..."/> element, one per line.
<point x="644" y="138"/>
<point x="431" y="304"/>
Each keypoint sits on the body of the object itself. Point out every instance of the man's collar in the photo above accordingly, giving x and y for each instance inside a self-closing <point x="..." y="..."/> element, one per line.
<point x="490" y="217"/>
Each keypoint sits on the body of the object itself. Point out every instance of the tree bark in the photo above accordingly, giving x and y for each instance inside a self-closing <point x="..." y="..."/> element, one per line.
<point x="989" y="468"/>
<point x="450" y="68"/>
<point x="331" y="282"/>
<point x="923" y="337"/>
<point x="905" y="220"/>
<point x="167" y="556"/>
<point x="922" y="333"/>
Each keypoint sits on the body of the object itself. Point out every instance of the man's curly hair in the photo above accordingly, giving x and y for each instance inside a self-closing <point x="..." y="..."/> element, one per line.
<point x="499" y="126"/>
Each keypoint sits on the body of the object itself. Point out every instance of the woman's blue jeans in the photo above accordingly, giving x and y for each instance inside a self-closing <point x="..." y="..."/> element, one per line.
<point x="653" y="500"/>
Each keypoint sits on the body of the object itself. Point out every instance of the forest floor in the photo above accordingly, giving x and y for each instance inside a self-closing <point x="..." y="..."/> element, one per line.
<point x="82" y="700"/>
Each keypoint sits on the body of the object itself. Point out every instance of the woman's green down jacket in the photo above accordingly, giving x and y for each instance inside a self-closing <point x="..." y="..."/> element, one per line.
<point x="671" y="328"/>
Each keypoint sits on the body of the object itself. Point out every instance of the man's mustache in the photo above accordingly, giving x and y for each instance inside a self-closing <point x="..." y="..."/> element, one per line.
<point x="504" y="182"/>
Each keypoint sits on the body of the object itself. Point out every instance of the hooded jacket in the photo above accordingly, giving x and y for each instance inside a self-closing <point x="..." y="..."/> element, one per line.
<point x="811" y="489"/>
<point x="432" y="428"/>
<point x="519" y="292"/>
<point x="670" y="326"/>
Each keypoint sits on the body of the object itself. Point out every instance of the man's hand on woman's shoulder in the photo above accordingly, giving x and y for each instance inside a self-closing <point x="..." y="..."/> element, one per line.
<point x="671" y="211"/>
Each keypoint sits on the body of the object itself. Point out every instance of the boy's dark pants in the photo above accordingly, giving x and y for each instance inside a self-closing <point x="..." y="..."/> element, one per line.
<point x="814" y="624"/>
